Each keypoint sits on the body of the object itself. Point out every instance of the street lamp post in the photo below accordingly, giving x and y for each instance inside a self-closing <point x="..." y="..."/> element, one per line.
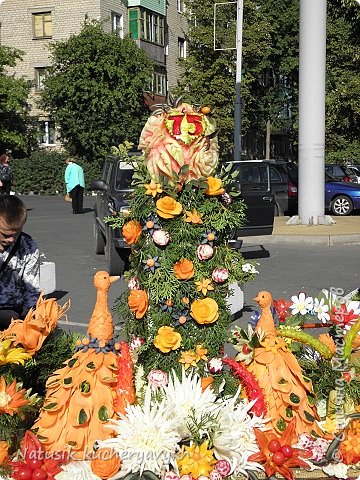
<point x="237" y="116"/>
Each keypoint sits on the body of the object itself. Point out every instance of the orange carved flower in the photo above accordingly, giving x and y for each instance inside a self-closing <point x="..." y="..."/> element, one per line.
<point x="193" y="217"/>
<point x="106" y="463"/>
<point x="153" y="188"/>
<point x="4" y="447"/>
<point x="11" y="399"/>
<point x="131" y="231"/>
<point x="168" y="207"/>
<point x="205" y="311"/>
<point x="138" y="302"/>
<point x="167" y="339"/>
<point x="201" y="353"/>
<point x="184" y="269"/>
<point x="206" y="382"/>
<point x="214" y="186"/>
<point x="188" y="358"/>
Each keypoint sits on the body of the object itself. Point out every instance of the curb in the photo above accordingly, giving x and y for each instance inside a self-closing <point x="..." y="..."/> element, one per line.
<point x="344" y="239"/>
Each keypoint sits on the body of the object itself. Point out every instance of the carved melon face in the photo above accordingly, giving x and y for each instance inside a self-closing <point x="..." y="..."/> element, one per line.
<point x="178" y="137"/>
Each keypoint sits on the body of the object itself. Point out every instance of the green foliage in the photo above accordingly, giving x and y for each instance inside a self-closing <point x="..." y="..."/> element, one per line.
<point x="16" y="127"/>
<point x="170" y="297"/>
<point x="43" y="173"/>
<point x="95" y="90"/>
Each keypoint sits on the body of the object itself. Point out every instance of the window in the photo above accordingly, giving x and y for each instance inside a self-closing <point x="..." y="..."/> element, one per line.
<point x="47" y="133"/>
<point x="117" y="25"/>
<point x="42" y="23"/>
<point x="40" y="76"/>
<point x="146" y="25"/>
<point x="181" y="48"/>
<point x="180" y="6"/>
<point x="158" y="82"/>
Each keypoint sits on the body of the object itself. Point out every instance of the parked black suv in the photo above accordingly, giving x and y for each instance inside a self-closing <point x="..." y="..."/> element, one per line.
<point x="114" y="187"/>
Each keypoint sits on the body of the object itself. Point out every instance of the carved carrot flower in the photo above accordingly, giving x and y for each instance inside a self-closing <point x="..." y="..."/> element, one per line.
<point x="153" y="188"/>
<point x="188" y="358"/>
<point x="193" y="217"/>
<point x="204" y="286"/>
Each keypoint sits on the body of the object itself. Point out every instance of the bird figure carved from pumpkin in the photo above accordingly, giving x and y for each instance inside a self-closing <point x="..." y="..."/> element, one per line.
<point x="287" y="393"/>
<point x="82" y="395"/>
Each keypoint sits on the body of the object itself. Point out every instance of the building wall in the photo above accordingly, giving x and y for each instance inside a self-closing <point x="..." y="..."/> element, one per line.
<point x="177" y="28"/>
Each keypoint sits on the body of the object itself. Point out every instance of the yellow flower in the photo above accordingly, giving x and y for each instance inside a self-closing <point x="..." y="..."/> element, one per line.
<point x="153" y="188"/>
<point x="196" y="460"/>
<point x="193" y="217"/>
<point x="330" y="425"/>
<point x="204" y="311"/>
<point x="204" y="286"/>
<point x="201" y="353"/>
<point x="214" y="186"/>
<point x="188" y="358"/>
<point x="168" y="207"/>
<point x="273" y="345"/>
<point x="167" y="339"/>
<point x="12" y="355"/>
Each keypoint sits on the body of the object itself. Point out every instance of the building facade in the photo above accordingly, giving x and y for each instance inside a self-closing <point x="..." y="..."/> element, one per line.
<point x="158" y="26"/>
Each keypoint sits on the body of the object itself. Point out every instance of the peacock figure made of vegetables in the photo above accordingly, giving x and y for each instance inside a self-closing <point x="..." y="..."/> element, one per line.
<point x="288" y="394"/>
<point x="83" y="395"/>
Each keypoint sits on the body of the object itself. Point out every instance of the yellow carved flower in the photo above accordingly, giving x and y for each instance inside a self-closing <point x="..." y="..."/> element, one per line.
<point x="9" y="354"/>
<point x="204" y="311"/>
<point x="201" y="353"/>
<point x="153" y="188"/>
<point x="167" y="339"/>
<point x="168" y="207"/>
<point x="204" y="286"/>
<point x="214" y="186"/>
<point x="188" y="358"/>
<point x="196" y="460"/>
<point x="193" y="217"/>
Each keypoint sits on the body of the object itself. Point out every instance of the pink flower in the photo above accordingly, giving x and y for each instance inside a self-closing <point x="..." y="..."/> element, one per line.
<point x="220" y="275"/>
<point x="215" y="475"/>
<point x="186" y="477"/>
<point x="204" y="252"/>
<point x="134" y="284"/>
<point x="157" y="378"/>
<point x="170" y="476"/>
<point x="160" y="237"/>
<point x="136" y="343"/>
<point x="215" y="365"/>
<point x="226" y="198"/>
<point x="223" y="467"/>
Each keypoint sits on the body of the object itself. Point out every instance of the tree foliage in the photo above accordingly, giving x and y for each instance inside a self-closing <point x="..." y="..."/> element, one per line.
<point x="95" y="90"/>
<point x="270" y="63"/>
<point x="15" y="123"/>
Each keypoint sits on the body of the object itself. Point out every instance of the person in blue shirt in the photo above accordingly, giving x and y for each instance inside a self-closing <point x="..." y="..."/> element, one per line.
<point x="75" y="184"/>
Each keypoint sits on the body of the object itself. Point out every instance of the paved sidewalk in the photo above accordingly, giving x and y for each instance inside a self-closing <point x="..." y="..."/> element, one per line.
<point x="346" y="230"/>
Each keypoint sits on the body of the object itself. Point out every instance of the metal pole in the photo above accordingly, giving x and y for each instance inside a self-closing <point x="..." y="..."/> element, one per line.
<point x="312" y="111"/>
<point x="237" y="116"/>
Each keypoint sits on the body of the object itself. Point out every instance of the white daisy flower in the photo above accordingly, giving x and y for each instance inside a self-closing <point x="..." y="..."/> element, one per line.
<point x="321" y="310"/>
<point x="248" y="268"/>
<point x="185" y="397"/>
<point x="234" y="440"/>
<point x="301" y="304"/>
<point x="147" y="438"/>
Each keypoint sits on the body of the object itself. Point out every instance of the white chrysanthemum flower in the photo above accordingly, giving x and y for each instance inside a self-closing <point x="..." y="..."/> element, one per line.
<point x="234" y="440"/>
<point x="77" y="470"/>
<point x="185" y="398"/>
<point x="354" y="306"/>
<point x="248" y="268"/>
<point x="301" y="304"/>
<point x="321" y="310"/>
<point x="147" y="438"/>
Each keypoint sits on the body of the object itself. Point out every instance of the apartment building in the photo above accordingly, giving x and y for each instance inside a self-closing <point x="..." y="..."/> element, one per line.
<point x="158" y="26"/>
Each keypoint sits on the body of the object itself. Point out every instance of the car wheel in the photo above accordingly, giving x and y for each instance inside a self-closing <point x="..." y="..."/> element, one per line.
<point x="342" y="205"/>
<point x="116" y="259"/>
<point x="99" y="240"/>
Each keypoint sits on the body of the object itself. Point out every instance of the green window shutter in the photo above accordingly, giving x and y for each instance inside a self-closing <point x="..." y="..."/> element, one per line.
<point x="134" y="23"/>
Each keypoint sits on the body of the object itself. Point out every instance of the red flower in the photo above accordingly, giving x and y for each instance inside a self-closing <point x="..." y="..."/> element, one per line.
<point x="341" y="316"/>
<point x="282" y="307"/>
<point x="279" y="455"/>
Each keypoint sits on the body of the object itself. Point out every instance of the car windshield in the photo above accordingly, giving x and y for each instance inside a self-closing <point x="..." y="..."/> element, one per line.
<point x="330" y="178"/>
<point x="123" y="176"/>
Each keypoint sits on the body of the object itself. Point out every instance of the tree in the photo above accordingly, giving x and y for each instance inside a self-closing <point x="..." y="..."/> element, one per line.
<point x="95" y="91"/>
<point x="15" y="123"/>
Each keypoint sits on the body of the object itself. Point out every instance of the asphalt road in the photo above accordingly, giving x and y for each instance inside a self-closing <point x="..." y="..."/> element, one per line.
<point x="284" y="270"/>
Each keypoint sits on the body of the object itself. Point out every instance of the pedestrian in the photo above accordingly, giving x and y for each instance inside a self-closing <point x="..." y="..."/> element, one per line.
<point x="5" y="173"/>
<point x="75" y="184"/>
<point x="19" y="262"/>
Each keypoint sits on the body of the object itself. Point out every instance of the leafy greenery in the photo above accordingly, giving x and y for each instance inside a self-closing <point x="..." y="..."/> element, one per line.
<point x="16" y="127"/>
<point x="95" y="90"/>
<point x="42" y="172"/>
